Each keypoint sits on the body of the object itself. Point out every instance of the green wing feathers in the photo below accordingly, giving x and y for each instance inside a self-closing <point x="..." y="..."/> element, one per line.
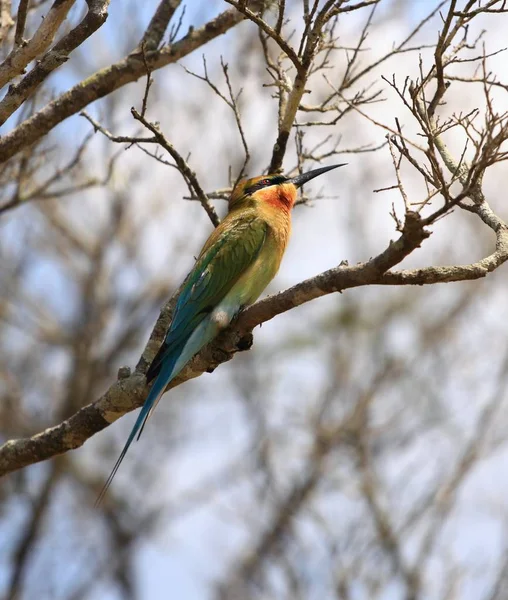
<point x="229" y="251"/>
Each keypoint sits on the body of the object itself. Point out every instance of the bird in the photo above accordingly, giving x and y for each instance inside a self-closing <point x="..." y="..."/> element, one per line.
<point x="237" y="262"/>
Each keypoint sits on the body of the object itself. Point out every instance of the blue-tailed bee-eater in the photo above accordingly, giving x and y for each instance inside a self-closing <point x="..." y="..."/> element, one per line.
<point x="237" y="262"/>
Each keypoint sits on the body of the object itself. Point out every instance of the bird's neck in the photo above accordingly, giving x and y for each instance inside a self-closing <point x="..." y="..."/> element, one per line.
<point x="275" y="209"/>
<point x="280" y="198"/>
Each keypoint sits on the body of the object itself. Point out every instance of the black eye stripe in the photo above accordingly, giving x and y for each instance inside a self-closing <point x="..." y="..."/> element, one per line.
<point x="265" y="183"/>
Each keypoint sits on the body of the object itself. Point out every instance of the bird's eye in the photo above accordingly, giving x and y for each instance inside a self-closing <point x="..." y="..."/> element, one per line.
<point x="266" y="182"/>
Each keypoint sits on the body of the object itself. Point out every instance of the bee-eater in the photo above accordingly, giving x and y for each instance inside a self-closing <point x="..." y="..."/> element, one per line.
<point x="237" y="262"/>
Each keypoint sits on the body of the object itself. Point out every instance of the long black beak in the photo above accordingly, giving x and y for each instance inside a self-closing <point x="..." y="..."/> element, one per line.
<point x="299" y="180"/>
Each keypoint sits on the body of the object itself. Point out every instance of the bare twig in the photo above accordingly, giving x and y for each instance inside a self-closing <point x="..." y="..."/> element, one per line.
<point x="187" y="173"/>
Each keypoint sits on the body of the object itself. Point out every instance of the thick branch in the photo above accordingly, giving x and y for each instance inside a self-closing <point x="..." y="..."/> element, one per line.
<point x="130" y="392"/>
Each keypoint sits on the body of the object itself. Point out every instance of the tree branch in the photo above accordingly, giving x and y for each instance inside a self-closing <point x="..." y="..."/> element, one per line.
<point x="187" y="173"/>
<point x="102" y="83"/>
<point x="6" y="21"/>
<point x="159" y="23"/>
<point x="129" y="392"/>
<point x="17" y="94"/>
<point x="22" y="55"/>
<point x="21" y="22"/>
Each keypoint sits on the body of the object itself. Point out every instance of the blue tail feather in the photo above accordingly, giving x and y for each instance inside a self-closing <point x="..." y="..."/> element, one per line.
<point x="159" y="385"/>
<point x="175" y="358"/>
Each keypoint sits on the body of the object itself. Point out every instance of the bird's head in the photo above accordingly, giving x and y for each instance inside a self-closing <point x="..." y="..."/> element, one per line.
<point x="277" y="190"/>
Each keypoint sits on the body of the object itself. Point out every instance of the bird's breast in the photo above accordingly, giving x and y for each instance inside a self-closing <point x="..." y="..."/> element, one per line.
<point x="258" y="275"/>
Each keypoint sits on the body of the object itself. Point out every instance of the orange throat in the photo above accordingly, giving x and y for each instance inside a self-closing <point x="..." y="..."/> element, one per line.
<point x="282" y="197"/>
